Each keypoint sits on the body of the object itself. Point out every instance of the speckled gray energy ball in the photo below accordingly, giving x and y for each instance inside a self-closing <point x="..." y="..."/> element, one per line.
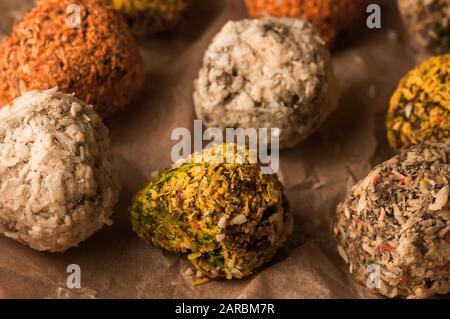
<point x="428" y="23"/>
<point x="395" y="224"/>
<point x="58" y="183"/>
<point x="267" y="73"/>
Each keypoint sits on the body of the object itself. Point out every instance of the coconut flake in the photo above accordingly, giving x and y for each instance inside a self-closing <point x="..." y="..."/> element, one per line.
<point x="222" y="222"/>
<point x="440" y="199"/>
<point x="239" y="219"/>
<point x="362" y="204"/>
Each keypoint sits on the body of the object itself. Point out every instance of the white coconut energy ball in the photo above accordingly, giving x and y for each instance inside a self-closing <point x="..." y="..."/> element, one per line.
<point x="267" y="73"/>
<point x="394" y="225"/>
<point x="58" y="183"/>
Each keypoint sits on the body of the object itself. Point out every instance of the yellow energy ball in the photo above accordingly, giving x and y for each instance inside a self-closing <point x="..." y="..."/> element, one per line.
<point x="150" y="16"/>
<point x="420" y="107"/>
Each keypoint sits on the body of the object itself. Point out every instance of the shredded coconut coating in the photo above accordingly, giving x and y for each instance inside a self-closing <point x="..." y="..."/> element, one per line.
<point x="267" y="73"/>
<point x="428" y="23"/>
<point x="398" y="218"/>
<point x="420" y="107"/>
<point x="58" y="183"/>
<point x="228" y="217"/>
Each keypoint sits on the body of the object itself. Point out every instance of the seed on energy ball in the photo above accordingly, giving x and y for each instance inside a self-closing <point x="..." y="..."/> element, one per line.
<point x="58" y="183"/>
<point x="427" y="23"/>
<point x="267" y="73"/>
<point x="226" y="215"/>
<point x="329" y="18"/>
<point x="397" y="220"/>
<point x="420" y="107"/>
<point x="151" y="16"/>
<point x="99" y="61"/>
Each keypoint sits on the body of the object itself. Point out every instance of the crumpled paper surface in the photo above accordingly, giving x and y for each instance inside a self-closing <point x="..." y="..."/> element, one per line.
<point x="115" y="263"/>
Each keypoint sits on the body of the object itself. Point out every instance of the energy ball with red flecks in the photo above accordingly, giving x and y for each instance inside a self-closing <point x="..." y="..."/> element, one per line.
<point x="428" y="23"/>
<point x="393" y="228"/>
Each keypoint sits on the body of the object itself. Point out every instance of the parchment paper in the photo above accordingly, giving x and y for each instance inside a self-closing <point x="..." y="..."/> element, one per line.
<point x="115" y="263"/>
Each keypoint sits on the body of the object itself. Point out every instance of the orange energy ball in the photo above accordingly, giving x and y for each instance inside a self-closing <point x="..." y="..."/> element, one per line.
<point x="87" y="50"/>
<point x="329" y="17"/>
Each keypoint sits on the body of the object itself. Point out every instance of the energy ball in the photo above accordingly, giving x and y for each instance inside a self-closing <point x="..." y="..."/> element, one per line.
<point x="427" y="23"/>
<point x="328" y="17"/>
<point x="151" y="16"/>
<point x="267" y="73"/>
<point x="226" y="215"/>
<point x="58" y="184"/>
<point x="99" y="61"/>
<point x="420" y="107"/>
<point x="396" y="221"/>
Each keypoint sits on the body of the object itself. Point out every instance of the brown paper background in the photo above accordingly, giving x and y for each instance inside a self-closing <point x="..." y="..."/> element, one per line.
<point x="317" y="173"/>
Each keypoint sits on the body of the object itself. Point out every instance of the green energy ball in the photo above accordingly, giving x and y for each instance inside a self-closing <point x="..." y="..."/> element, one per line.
<point x="420" y="107"/>
<point x="228" y="216"/>
<point x="427" y="23"/>
<point x="151" y="16"/>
